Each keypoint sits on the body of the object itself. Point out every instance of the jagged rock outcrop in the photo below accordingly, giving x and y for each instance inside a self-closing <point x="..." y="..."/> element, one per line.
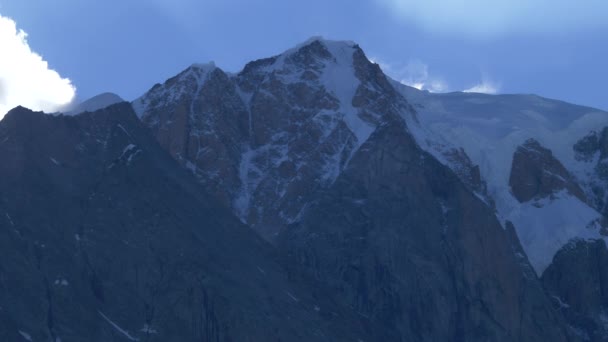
<point x="593" y="150"/>
<point x="105" y="238"/>
<point x="537" y="174"/>
<point x="577" y="281"/>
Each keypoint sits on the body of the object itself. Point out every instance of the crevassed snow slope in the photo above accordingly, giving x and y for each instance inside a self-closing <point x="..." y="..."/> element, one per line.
<point x="490" y="128"/>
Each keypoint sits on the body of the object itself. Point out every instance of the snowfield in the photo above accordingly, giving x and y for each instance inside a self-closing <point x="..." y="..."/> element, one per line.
<point x="490" y="128"/>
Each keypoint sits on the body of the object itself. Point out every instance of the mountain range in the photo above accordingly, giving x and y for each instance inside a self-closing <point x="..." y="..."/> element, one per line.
<point x="307" y="197"/>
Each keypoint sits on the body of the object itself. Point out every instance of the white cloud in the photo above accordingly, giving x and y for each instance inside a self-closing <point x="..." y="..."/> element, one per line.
<point x="492" y="17"/>
<point x="486" y="86"/>
<point x="25" y="78"/>
<point x="414" y="74"/>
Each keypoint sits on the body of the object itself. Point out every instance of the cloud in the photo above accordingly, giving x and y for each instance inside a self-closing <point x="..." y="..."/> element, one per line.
<point x="489" y="18"/>
<point x="484" y="87"/>
<point x="414" y="74"/>
<point x="25" y="78"/>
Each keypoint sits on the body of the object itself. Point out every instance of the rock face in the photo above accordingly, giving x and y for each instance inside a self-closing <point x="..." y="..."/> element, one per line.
<point x="105" y="238"/>
<point x="265" y="140"/>
<point x="593" y="150"/>
<point x="537" y="174"/>
<point x="577" y="281"/>
<point x="407" y="244"/>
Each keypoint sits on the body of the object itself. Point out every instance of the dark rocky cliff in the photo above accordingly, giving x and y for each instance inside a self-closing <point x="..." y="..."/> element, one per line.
<point x="105" y="238"/>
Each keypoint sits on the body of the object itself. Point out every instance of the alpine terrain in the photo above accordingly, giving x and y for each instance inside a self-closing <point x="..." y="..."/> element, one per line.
<point x="308" y="197"/>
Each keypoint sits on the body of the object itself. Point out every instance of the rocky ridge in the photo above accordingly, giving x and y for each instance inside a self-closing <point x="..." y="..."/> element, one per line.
<point x="106" y="238"/>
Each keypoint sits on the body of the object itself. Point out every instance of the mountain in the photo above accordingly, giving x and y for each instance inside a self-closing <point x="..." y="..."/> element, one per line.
<point x="95" y="103"/>
<point x="266" y="138"/>
<point x="308" y="197"/>
<point x="435" y="215"/>
<point x="105" y="238"/>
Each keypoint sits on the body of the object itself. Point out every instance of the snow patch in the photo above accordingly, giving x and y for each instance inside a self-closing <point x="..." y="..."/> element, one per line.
<point x="118" y="328"/>
<point x="10" y="220"/>
<point x="124" y="130"/>
<point x="339" y="79"/>
<point x="148" y="330"/>
<point x="61" y="282"/>
<point x="545" y="226"/>
<point x="560" y="302"/>
<point x="25" y="335"/>
<point x="292" y="296"/>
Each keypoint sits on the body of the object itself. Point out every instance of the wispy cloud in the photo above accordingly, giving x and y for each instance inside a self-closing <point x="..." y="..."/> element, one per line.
<point x="414" y="73"/>
<point x="486" y="86"/>
<point x="417" y="74"/>
<point x="25" y="77"/>
<point x="489" y="18"/>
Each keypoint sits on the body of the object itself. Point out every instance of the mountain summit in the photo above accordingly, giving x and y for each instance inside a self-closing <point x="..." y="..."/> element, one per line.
<point x="265" y="139"/>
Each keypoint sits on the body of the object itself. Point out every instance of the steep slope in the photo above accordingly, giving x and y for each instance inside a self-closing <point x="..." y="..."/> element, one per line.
<point x="494" y="131"/>
<point x="105" y="238"/>
<point x="407" y="244"/>
<point x="577" y="281"/>
<point x="592" y="152"/>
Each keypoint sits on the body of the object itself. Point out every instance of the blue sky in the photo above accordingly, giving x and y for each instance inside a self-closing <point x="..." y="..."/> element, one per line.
<point x="555" y="48"/>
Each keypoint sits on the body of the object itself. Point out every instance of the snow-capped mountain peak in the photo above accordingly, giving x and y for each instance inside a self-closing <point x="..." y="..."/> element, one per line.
<point x="266" y="139"/>
<point x="267" y="118"/>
